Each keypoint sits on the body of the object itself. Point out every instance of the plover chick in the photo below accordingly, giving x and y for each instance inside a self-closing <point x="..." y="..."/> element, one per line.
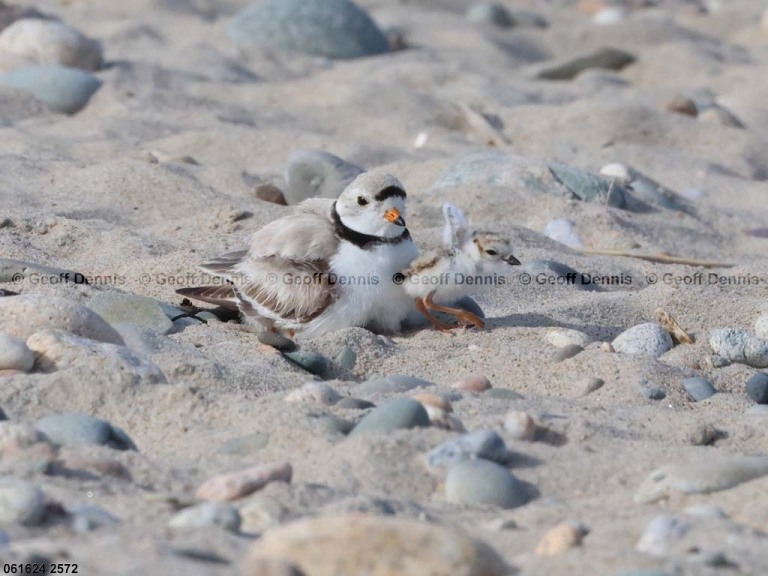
<point x="326" y="266"/>
<point x="442" y="275"/>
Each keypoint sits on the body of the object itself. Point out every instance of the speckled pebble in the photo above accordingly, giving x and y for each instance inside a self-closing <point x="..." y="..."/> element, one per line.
<point x="649" y="339"/>
<point x="485" y="444"/>
<point x="736" y="345"/>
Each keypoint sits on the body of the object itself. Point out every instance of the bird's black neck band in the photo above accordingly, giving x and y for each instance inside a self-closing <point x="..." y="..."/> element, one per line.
<point x="363" y="241"/>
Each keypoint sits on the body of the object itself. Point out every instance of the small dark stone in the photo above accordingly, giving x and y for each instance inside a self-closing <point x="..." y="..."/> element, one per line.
<point x="270" y="193"/>
<point x="277" y="341"/>
<point x="698" y="388"/>
<point x="312" y="362"/>
<point x="652" y="392"/>
<point x="757" y="387"/>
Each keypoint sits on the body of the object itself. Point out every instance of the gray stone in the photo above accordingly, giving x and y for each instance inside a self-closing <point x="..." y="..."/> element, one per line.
<point x="277" y="341"/>
<point x="503" y="394"/>
<point x="17" y="270"/>
<point x="570" y="67"/>
<point x="87" y="518"/>
<point x="64" y="90"/>
<point x="331" y="423"/>
<point x="22" y="316"/>
<point x="347" y="358"/>
<point x="245" y="445"/>
<point x="490" y="13"/>
<point x="757" y="387"/>
<point x="566" y="352"/>
<point x="736" y="345"/>
<point x="469" y="304"/>
<point x="50" y="43"/>
<point x="218" y="514"/>
<point x="652" y="392"/>
<point x="312" y="362"/>
<point x="20" y="502"/>
<point x="15" y="354"/>
<point x="74" y="429"/>
<point x="485" y="444"/>
<point x="484" y="483"/>
<point x="314" y="173"/>
<point x="115" y="307"/>
<point x="648" y="339"/>
<point x="354" y="404"/>
<point x="395" y="414"/>
<point x="660" y="535"/>
<point x="394" y="384"/>
<point x="533" y="176"/>
<point x="699" y="388"/>
<point x="316" y="392"/>
<point x="330" y="28"/>
<point x="58" y="350"/>
<point x="703" y="475"/>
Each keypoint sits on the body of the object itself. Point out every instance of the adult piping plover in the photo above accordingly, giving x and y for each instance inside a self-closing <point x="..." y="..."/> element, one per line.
<point x="467" y="262"/>
<point x="328" y="265"/>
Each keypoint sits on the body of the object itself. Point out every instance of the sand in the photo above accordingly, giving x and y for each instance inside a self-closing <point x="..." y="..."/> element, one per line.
<point x="157" y="174"/>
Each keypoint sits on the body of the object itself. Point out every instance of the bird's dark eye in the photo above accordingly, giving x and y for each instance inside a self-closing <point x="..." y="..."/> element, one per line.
<point x="361" y="201"/>
<point x="491" y="252"/>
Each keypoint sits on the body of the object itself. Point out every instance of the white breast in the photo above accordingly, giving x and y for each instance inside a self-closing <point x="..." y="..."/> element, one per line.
<point x="368" y="294"/>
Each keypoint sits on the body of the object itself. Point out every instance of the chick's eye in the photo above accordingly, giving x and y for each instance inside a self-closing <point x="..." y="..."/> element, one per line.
<point x="361" y="201"/>
<point x="491" y="252"/>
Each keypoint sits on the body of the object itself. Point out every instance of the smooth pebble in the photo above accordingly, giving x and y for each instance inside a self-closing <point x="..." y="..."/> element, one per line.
<point x="49" y="43"/>
<point x="318" y="392"/>
<point x="235" y="485"/>
<point x="76" y="429"/>
<point x="218" y="514"/>
<point x="484" y="483"/>
<point x="312" y="362"/>
<point x="560" y="538"/>
<point x="757" y="387"/>
<point x="395" y="414"/>
<point x="485" y="444"/>
<point x="648" y="339"/>
<point x="699" y="388"/>
<point x="64" y="90"/>
<point x="15" y="354"/>
<point x="277" y="341"/>
<point x="20" y="503"/>
<point x="478" y="383"/>
<point x="519" y="425"/>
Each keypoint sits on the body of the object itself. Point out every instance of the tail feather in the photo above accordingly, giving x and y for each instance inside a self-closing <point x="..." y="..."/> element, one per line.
<point x="224" y="265"/>
<point x="224" y="296"/>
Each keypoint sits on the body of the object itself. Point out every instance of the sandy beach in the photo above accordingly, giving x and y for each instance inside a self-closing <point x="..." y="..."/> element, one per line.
<point x="620" y="145"/>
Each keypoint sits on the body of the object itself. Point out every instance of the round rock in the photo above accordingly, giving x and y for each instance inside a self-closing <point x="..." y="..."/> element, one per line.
<point x="519" y="425"/>
<point x="699" y="388"/>
<point x="277" y="341"/>
<point x="485" y="483"/>
<point x="75" y="429"/>
<point x="395" y="414"/>
<point x="219" y="514"/>
<point x="561" y="337"/>
<point x="331" y="28"/>
<point x="312" y="362"/>
<point x="485" y="444"/>
<point x="49" y="43"/>
<point x="352" y="545"/>
<point x="22" y="316"/>
<point x="64" y="90"/>
<point x="15" y="354"/>
<point x="649" y="339"/>
<point x="115" y="307"/>
<point x="317" y="174"/>
<point x="757" y="387"/>
<point x="20" y="502"/>
<point x="490" y="13"/>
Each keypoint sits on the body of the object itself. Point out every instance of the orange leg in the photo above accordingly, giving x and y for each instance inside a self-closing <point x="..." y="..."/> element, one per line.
<point x="429" y="316"/>
<point x="465" y="317"/>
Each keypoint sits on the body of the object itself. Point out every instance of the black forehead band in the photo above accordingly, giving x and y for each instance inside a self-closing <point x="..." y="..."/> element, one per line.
<point x="389" y="192"/>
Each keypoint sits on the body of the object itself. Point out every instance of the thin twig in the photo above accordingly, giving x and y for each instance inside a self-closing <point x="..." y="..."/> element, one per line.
<point x="658" y="258"/>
